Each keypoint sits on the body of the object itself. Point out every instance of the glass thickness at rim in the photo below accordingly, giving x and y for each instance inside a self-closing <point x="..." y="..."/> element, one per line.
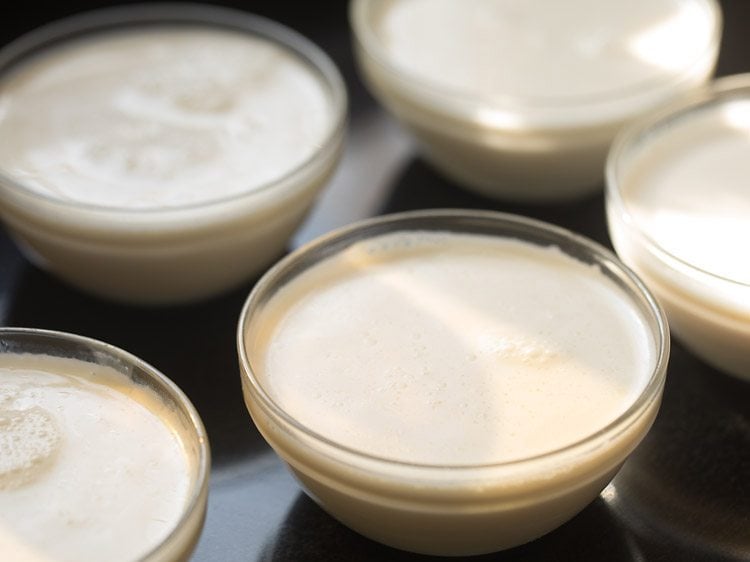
<point x="648" y="130"/>
<point x="63" y="344"/>
<point x="360" y="15"/>
<point x="134" y="16"/>
<point x="468" y="222"/>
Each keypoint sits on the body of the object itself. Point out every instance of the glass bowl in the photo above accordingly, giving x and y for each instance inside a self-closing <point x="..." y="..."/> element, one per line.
<point x="134" y="378"/>
<point x="172" y="253"/>
<point x="684" y="246"/>
<point x="538" y="144"/>
<point x="444" y="508"/>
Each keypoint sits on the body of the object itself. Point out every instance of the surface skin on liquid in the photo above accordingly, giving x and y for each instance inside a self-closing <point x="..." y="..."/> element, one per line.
<point x="690" y="193"/>
<point x="160" y="118"/>
<point x="91" y="468"/>
<point x="542" y="50"/>
<point x="452" y="349"/>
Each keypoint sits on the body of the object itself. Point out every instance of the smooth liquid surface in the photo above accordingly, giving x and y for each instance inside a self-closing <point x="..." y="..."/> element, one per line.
<point x="690" y="192"/>
<point x="89" y="471"/>
<point x="452" y="349"/>
<point x="157" y="118"/>
<point x="543" y="50"/>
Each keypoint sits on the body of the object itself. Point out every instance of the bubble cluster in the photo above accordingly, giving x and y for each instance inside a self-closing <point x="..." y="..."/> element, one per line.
<point x="29" y="441"/>
<point x="525" y="350"/>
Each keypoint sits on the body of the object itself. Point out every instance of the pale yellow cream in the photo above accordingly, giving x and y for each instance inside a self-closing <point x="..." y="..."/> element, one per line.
<point x="92" y="466"/>
<point x="452" y="349"/>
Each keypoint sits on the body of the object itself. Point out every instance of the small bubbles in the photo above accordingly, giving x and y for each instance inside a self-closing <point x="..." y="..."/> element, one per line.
<point x="524" y="350"/>
<point x="29" y="441"/>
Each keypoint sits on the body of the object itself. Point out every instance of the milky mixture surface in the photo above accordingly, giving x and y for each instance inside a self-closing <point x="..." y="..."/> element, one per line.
<point x="452" y="349"/>
<point x="89" y="471"/>
<point x="158" y="118"/>
<point x="541" y="49"/>
<point x="690" y="191"/>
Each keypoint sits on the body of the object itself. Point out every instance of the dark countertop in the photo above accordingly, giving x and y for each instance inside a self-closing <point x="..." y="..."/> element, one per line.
<point x="684" y="495"/>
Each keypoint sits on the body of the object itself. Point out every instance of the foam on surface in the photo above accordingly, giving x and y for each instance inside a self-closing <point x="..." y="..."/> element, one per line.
<point x="92" y="466"/>
<point x="452" y="349"/>
<point x="157" y="118"/>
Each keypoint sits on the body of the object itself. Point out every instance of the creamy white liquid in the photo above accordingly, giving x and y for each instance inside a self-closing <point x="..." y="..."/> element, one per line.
<point x="690" y="192"/>
<point x="543" y="50"/>
<point x="152" y="118"/>
<point x="452" y="349"/>
<point x="684" y="225"/>
<point x="520" y="100"/>
<point x="89" y="470"/>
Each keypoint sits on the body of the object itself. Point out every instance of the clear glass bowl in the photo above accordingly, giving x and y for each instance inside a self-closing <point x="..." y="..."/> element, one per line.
<point x="180" y="542"/>
<point x="507" y="146"/>
<point x="179" y="253"/>
<point x="451" y="509"/>
<point x="708" y="312"/>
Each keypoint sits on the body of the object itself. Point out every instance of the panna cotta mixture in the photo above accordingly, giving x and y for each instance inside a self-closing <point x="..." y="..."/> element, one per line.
<point x="537" y="50"/>
<point x="91" y="467"/>
<point x="521" y="100"/>
<point x="690" y="193"/>
<point x="679" y="214"/>
<point x="164" y="156"/>
<point x="449" y="382"/>
<point x="452" y="349"/>
<point x="160" y="117"/>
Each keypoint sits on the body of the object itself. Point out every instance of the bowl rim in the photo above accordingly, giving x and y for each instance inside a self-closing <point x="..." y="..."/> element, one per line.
<point x="338" y="239"/>
<point x="647" y="130"/>
<point x="102" y="21"/>
<point x="199" y="478"/>
<point x="459" y="101"/>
